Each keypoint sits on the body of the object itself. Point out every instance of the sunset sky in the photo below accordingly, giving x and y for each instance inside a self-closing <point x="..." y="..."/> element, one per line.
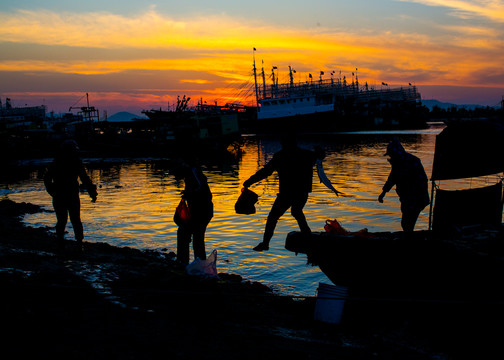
<point x="136" y="55"/>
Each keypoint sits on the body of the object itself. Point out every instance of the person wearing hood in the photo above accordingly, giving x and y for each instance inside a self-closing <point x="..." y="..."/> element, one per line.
<point x="409" y="177"/>
<point x="61" y="181"/>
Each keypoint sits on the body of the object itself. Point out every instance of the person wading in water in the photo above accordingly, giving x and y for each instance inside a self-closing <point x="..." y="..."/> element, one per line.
<point x="61" y="182"/>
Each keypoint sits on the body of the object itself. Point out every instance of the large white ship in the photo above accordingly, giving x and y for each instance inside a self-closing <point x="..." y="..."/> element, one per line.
<point x="335" y="104"/>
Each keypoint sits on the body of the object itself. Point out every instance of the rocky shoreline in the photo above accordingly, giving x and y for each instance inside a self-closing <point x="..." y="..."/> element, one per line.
<point x="123" y="303"/>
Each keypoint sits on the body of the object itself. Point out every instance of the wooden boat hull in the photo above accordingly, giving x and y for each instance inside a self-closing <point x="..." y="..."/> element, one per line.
<point x="387" y="265"/>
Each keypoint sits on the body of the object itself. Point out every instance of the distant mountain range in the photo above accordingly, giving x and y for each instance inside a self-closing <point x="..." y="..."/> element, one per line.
<point x="431" y="103"/>
<point x="124" y="116"/>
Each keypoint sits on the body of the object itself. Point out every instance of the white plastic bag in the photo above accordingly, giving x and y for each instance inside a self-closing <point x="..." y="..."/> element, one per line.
<point x="206" y="267"/>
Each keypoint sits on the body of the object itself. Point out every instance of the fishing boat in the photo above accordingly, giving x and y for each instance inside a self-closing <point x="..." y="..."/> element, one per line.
<point x="335" y="104"/>
<point x="460" y="256"/>
<point x="22" y="117"/>
<point x="200" y="123"/>
<point x="21" y="128"/>
<point x="385" y="265"/>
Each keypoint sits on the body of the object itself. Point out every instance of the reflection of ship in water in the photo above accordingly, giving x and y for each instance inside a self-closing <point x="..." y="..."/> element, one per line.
<point x="336" y="104"/>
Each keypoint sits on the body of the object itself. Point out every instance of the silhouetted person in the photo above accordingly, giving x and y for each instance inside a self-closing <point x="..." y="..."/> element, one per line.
<point x="199" y="200"/>
<point x="61" y="182"/>
<point x="410" y="180"/>
<point x="295" y="171"/>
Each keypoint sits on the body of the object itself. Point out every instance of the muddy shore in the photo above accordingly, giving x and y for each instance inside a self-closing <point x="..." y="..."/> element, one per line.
<point x="123" y="303"/>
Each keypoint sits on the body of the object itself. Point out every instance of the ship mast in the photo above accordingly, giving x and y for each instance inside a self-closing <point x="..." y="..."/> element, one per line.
<point x="274" y="87"/>
<point x="263" y="79"/>
<point x="89" y="113"/>
<point x="291" y="76"/>
<point x="255" y="81"/>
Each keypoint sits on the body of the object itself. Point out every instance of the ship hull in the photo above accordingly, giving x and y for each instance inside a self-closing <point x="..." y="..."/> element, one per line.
<point x="340" y="120"/>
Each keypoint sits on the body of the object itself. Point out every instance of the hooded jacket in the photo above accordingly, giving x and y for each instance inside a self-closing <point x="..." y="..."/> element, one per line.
<point x="408" y="176"/>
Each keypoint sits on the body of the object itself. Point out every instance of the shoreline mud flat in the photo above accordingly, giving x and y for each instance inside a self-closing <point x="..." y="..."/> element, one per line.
<point x="122" y="303"/>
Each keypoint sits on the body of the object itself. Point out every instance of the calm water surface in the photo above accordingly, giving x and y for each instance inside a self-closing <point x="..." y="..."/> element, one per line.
<point x="137" y="199"/>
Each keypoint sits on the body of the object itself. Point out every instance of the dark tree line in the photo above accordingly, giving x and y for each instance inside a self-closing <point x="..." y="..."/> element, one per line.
<point x="459" y="112"/>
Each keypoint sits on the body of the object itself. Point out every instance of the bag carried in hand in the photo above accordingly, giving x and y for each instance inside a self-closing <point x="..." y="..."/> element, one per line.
<point x="246" y="201"/>
<point x="182" y="214"/>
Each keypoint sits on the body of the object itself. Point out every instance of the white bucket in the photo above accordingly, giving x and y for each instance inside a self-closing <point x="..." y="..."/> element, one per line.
<point x="330" y="303"/>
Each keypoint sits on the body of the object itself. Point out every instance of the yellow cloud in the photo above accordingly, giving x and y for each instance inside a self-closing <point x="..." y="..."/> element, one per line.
<point x="147" y="30"/>
<point x="195" y="81"/>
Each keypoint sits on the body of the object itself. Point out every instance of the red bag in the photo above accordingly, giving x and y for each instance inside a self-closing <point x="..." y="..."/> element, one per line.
<point x="334" y="227"/>
<point x="182" y="214"/>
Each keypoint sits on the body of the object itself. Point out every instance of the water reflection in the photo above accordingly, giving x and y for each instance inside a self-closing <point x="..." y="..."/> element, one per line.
<point x="137" y="200"/>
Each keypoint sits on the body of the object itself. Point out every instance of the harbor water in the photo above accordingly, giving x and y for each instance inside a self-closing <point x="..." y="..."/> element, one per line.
<point x="137" y="199"/>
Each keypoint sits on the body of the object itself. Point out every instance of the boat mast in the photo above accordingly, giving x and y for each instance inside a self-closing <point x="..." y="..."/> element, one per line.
<point x="264" y="80"/>
<point x="274" y="87"/>
<point x="255" y="81"/>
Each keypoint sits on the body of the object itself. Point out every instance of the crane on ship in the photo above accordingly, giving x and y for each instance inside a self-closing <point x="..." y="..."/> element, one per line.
<point x="89" y="113"/>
